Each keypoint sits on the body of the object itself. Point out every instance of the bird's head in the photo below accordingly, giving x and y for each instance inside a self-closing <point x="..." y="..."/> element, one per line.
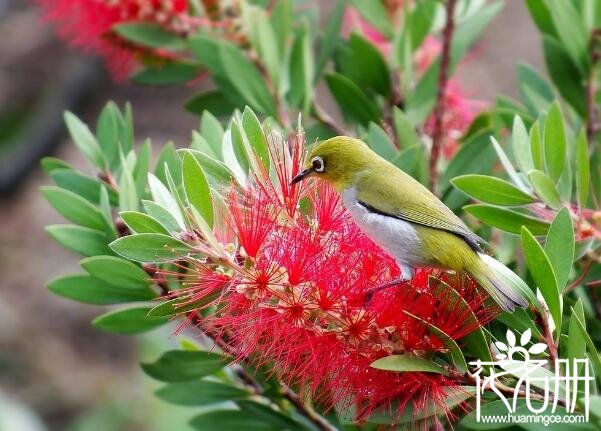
<point x="336" y="160"/>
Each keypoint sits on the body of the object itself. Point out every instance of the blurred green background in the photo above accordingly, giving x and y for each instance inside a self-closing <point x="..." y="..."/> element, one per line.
<point x="56" y="371"/>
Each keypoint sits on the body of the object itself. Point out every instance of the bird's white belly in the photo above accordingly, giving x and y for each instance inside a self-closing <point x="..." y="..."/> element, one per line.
<point x="397" y="237"/>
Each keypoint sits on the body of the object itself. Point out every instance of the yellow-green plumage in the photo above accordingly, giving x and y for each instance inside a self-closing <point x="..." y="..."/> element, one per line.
<point x="406" y="219"/>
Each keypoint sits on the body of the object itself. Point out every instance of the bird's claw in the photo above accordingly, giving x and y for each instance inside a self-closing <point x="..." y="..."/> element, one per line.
<point x="371" y="292"/>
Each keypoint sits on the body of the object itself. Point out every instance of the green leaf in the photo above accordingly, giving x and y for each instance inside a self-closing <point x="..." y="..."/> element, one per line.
<point x="422" y="99"/>
<point x="543" y="273"/>
<point x="412" y="161"/>
<point x="593" y="354"/>
<point x="163" y="197"/>
<point x="90" y="290"/>
<point x="402" y="363"/>
<point x="454" y="351"/>
<point x="75" y="208"/>
<point x="197" y="188"/>
<point x="252" y="88"/>
<point x="330" y="37"/>
<point x="239" y="147"/>
<point x="492" y="190"/>
<point x="116" y="271"/>
<point x="128" y="193"/>
<point x="363" y="63"/>
<point x="200" y="393"/>
<point x="215" y="169"/>
<point x="177" y="366"/>
<point x="128" y="321"/>
<point x="571" y="31"/>
<point x="380" y="142"/>
<point x="545" y="188"/>
<point x="49" y="164"/>
<point x="179" y="306"/>
<point x="267" y="414"/>
<point x="264" y="40"/>
<point x="535" y="91"/>
<point x="352" y="101"/>
<point x="81" y="240"/>
<point x="508" y="166"/>
<point x="163" y="216"/>
<point x="142" y="223"/>
<point x="375" y="13"/>
<point x="560" y="246"/>
<point x="140" y="171"/>
<point x="281" y="22"/>
<point x="167" y="74"/>
<point x="583" y="175"/>
<point x="168" y="157"/>
<point x="126" y="132"/>
<point x="475" y="156"/>
<point x="150" y="247"/>
<point x="256" y="138"/>
<point x="565" y="75"/>
<point x="576" y="345"/>
<point x="80" y="184"/>
<point x="84" y="140"/>
<point x="108" y="128"/>
<point x="520" y="143"/>
<point x="507" y="220"/>
<point x="469" y="29"/>
<point x="541" y="16"/>
<point x="421" y="20"/>
<point x="555" y="143"/>
<point x="230" y="420"/>
<point x="405" y="131"/>
<point x="536" y="147"/>
<point x="107" y="213"/>
<point x="212" y="130"/>
<point x="149" y="34"/>
<point x="214" y="101"/>
<point x="300" y="70"/>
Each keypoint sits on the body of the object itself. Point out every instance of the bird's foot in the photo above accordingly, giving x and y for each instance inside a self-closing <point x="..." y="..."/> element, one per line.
<point x="371" y="292"/>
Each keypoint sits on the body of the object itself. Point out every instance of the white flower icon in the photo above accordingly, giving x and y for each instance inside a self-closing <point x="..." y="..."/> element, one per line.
<point x="511" y="348"/>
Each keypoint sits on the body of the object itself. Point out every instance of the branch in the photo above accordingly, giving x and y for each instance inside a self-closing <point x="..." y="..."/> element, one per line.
<point x="581" y="277"/>
<point x="443" y="78"/>
<point x="548" y="336"/>
<point x="222" y="342"/>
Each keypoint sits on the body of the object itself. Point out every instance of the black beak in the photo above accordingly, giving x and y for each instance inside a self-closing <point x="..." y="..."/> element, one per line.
<point x="301" y="176"/>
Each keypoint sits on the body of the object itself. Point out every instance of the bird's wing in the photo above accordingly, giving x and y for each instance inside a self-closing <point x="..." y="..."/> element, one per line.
<point x="411" y="202"/>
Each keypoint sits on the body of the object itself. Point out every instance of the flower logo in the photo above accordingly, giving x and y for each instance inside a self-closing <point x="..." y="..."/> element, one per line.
<point x="507" y="351"/>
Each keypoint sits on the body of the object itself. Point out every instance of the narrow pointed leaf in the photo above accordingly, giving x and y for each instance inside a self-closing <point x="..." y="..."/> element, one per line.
<point x="150" y="247"/>
<point x="507" y="220"/>
<point x="555" y="143"/>
<point x="197" y="188"/>
<point x="543" y="273"/>
<point x="402" y="363"/>
<point x="492" y="190"/>
<point x="560" y="246"/>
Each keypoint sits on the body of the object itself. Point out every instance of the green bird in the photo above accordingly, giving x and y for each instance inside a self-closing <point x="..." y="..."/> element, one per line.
<point x="406" y="219"/>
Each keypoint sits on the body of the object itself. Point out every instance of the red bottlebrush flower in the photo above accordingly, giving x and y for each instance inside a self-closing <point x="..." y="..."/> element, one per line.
<point x="298" y="301"/>
<point x="88" y="24"/>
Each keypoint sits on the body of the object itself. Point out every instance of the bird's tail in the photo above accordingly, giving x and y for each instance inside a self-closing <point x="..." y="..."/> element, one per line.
<point x="504" y="286"/>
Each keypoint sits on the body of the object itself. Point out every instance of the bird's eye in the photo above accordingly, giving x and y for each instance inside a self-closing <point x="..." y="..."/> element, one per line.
<point x="317" y="164"/>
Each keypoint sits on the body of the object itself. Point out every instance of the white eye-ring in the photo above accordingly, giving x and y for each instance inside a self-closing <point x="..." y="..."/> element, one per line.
<point x="317" y="164"/>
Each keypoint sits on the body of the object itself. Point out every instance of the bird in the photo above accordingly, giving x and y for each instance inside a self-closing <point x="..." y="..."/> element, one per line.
<point x="407" y="220"/>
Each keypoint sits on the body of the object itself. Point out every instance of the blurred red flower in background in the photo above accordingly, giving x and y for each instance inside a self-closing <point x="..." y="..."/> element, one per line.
<point x="295" y="297"/>
<point x="88" y="24"/>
